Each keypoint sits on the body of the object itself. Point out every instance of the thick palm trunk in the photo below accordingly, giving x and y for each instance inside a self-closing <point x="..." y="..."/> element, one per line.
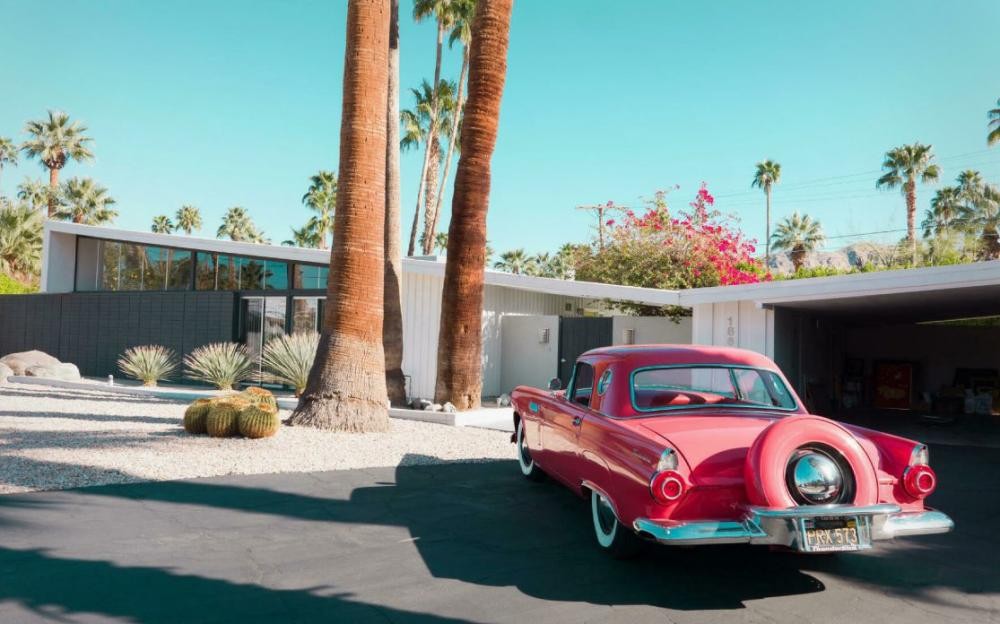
<point x="346" y="388"/>
<point x="459" y="366"/>
<point x="392" y="329"/>
<point x="53" y="191"/>
<point x="430" y="201"/>
<point x="431" y="139"/>
<point x="455" y="120"/>
<point x="911" y="218"/>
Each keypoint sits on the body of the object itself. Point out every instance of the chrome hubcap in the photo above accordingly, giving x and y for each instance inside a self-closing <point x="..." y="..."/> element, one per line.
<point x="816" y="477"/>
<point x="522" y="447"/>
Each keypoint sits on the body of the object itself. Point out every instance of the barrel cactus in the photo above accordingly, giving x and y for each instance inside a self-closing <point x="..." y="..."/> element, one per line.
<point x="258" y="422"/>
<point x="261" y="398"/>
<point x="195" y="416"/>
<point x="223" y="418"/>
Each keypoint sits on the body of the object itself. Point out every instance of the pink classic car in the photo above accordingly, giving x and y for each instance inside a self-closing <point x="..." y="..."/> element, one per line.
<point x="707" y="445"/>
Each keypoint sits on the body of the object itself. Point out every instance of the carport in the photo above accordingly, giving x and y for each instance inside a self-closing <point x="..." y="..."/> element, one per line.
<point x="925" y="340"/>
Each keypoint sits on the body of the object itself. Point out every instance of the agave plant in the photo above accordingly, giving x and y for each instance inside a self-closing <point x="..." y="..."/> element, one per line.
<point x="222" y="364"/>
<point x="290" y="358"/>
<point x="149" y="363"/>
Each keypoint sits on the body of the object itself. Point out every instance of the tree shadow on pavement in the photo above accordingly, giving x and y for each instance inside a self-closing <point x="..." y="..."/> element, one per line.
<point x="55" y="587"/>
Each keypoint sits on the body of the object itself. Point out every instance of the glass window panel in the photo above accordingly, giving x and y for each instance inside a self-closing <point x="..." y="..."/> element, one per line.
<point x="275" y="275"/>
<point x="311" y="276"/>
<point x="205" y="277"/>
<point x="251" y="274"/>
<point x="305" y="314"/>
<point x="179" y="276"/>
<point x="133" y="267"/>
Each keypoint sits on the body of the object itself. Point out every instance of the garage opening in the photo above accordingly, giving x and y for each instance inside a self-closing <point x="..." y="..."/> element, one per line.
<point x="930" y="355"/>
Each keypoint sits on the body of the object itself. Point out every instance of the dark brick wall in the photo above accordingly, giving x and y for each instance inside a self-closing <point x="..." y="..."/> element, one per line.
<point x="92" y="329"/>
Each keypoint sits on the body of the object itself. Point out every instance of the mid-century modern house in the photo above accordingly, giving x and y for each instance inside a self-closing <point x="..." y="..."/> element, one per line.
<point x="883" y="339"/>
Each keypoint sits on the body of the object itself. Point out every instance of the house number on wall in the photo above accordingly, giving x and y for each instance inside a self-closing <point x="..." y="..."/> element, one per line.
<point x="730" y="332"/>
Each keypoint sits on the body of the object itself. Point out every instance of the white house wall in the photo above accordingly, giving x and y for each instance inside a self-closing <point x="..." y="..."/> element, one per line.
<point x="740" y="324"/>
<point x="651" y="330"/>
<point x="421" y="323"/>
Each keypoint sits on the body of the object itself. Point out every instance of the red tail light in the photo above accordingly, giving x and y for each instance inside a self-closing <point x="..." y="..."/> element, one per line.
<point x="919" y="481"/>
<point x="667" y="486"/>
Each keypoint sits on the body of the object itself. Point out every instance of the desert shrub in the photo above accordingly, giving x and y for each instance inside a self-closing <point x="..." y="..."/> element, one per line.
<point x="258" y="422"/>
<point x="261" y="398"/>
<point x="222" y="364"/>
<point x="290" y="358"/>
<point x="149" y="364"/>
<point x="223" y="418"/>
<point x="195" y="416"/>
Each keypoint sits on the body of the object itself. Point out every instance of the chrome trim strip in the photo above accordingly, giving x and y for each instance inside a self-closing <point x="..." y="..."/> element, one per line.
<point x="781" y="527"/>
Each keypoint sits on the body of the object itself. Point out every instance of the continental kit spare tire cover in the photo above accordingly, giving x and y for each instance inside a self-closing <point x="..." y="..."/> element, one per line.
<point x="768" y="457"/>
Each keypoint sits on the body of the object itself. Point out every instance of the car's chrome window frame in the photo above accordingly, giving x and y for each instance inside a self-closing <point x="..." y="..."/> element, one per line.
<point x="729" y="367"/>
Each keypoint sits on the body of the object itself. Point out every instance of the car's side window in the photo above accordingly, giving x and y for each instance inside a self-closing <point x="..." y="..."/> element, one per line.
<point x="582" y="384"/>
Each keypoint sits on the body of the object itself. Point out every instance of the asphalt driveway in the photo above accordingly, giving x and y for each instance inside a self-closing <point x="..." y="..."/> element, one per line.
<point x="455" y="542"/>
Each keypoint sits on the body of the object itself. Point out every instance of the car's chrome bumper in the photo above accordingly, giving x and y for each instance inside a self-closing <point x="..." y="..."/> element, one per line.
<point x="784" y="527"/>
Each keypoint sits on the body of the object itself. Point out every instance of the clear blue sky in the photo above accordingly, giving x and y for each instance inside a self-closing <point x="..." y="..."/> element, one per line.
<point x="227" y="102"/>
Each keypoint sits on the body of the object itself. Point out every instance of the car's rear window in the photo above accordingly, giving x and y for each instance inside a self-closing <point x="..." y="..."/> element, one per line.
<point x="678" y="387"/>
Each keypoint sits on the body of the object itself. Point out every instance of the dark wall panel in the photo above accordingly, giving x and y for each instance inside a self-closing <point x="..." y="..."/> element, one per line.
<point x="92" y="329"/>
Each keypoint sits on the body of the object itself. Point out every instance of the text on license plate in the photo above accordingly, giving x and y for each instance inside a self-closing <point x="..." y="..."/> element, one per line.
<point x="830" y="534"/>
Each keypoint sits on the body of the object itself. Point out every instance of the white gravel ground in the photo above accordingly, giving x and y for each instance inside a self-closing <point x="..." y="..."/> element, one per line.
<point x="54" y="438"/>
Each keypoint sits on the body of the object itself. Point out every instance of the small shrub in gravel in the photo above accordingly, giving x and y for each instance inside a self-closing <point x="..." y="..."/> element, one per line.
<point x="223" y="418"/>
<point x="222" y="364"/>
<point x="195" y="416"/>
<point x="149" y="363"/>
<point x="261" y="398"/>
<point x="290" y="358"/>
<point x="258" y="422"/>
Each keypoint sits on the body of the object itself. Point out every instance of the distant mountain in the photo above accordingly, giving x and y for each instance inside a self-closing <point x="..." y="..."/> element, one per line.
<point x="850" y="257"/>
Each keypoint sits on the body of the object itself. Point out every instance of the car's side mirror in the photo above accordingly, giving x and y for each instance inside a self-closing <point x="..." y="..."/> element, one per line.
<point x="555" y="384"/>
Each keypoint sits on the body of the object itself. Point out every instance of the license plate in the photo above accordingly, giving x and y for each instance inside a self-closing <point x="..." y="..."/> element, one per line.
<point x="831" y="535"/>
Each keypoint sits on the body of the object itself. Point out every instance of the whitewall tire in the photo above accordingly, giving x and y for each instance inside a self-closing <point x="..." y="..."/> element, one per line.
<point x="612" y="537"/>
<point x="528" y="467"/>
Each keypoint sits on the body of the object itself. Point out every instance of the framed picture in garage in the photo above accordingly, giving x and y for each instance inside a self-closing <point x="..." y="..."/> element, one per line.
<point x="893" y="385"/>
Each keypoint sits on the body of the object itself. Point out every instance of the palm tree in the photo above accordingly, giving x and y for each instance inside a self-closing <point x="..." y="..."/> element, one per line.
<point x="346" y="389"/>
<point x="237" y="225"/>
<point x="799" y="236"/>
<point x="86" y="202"/>
<point x="188" y="219"/>
<point x="35" y="193"/>
<point x="392" y="324"/>
<point x="768" y="174"/>
<point x="515" y="261"/>
<point x="20" y="240"/>
<point x="420" y="127"/>
<point x="162" y="225"/>
<point x="987" y="221"/>
<point x="303" y="237"/>
<point x="904" y="166"/>
<point x="441" y="10"/>
<point x="946" y="206"/>
<point x="441" y="242"/>
<point x="462" y="12"/>
<point x="8" y="154"/>
<point x="994" y="115"/>
<point x="55" y="141"/>
<point x="322" y="199"/>
<point x="459" y="365"/>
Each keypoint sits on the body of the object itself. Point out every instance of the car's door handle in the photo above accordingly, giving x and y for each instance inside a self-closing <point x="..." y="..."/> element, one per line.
<point x="577" y="420"/>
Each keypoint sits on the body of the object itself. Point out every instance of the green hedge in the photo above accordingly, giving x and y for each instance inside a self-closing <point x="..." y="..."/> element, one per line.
<point x="10" y="286"/>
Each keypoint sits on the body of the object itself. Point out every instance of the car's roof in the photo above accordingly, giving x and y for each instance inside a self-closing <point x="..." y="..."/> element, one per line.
<point x="668" y="354"/>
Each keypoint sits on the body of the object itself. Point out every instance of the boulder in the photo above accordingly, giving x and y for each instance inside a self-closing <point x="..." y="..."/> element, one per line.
<point x="503" y="400"/>
<point x="5" y="372"/>
<point x="420" y="404"/>
<point x="66" y="372"/>
<point x="449" y="407"/>
<point x="21" y="362"/>
<point x="432" y="407"/>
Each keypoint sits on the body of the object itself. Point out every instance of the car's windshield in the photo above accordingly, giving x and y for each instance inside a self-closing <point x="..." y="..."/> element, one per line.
<point x="677" y="387"/>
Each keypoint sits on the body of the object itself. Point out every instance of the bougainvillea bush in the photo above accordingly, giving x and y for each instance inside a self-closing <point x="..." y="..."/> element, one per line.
<point x="691" y="248"/>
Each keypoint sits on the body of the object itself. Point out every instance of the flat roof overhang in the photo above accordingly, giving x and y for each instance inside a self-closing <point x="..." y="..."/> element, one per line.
<point x="898" y="296"/>
<point x="413" y="266"/>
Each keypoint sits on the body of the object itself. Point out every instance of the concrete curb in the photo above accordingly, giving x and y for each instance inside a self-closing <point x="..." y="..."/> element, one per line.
<point x="483" y="417"/>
